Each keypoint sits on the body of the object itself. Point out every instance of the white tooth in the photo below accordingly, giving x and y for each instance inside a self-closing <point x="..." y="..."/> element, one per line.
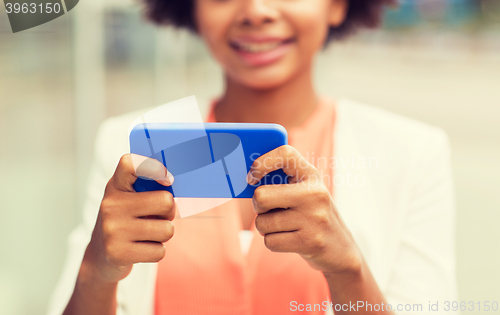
<point x="258" y="47"/>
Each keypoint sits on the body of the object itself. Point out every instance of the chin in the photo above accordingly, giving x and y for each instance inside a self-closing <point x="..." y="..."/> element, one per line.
<point x="266" y="84"/>
<point x="265" y="80"/>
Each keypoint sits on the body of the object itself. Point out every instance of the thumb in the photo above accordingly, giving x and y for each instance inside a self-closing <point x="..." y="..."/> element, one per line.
<point x="132" y="166"/>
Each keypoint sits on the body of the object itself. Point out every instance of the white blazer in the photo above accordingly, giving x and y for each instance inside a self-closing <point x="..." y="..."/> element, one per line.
<point x="399" y="207"/>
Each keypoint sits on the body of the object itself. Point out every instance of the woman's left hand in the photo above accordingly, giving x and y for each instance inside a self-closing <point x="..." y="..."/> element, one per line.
<point x="301" y="217"/>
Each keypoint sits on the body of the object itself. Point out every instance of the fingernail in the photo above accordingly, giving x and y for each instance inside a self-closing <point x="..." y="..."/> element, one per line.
<point x="170" y="177"/>
<point x="250" y="178"/>
<point x="164" y="182"/>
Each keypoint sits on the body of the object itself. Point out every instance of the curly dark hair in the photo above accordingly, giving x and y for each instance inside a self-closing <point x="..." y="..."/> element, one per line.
<point x="179" y="13"/>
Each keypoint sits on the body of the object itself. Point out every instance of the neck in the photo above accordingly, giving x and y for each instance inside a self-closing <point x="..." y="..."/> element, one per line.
<point x="288" y="104"/>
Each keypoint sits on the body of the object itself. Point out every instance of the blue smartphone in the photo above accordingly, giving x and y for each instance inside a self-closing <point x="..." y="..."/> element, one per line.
<point x="207" y="160"/>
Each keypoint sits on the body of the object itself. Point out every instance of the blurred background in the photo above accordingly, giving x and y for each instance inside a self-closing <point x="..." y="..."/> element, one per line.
<point x="434" y="60"/>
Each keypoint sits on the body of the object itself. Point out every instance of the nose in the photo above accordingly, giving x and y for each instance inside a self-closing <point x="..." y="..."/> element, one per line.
<point x="256" y="13"/>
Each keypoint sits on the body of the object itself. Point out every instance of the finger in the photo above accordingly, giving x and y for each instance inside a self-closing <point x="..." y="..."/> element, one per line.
<point x="152" y="169"/>
<point x="279" y="220"/>
<point x="284" y="242"/>
<point x="153" y="230"/>
<point x="140" y="252"/>
<point x="132" y="166"/>
<point x="160" y="204"/>
<point x="268" y="197"/>
<point x="286" y="158"/>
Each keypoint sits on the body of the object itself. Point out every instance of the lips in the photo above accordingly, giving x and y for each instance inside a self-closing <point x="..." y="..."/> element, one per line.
<point x="257" y="47"/>
<point x="257" y="51"/>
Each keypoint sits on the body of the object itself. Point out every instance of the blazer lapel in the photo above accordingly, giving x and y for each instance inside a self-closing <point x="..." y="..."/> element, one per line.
<point x="355" y="194"/>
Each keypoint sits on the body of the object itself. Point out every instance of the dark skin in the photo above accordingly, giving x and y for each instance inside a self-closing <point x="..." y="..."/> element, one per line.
<point x="300" y="217"/>
<point x="131" y="228"/>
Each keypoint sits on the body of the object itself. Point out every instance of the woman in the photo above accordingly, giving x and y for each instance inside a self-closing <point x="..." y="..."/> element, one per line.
<point x="373" y="226"/>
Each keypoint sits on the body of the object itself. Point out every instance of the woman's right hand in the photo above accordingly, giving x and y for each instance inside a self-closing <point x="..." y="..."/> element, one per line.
<point x="131" y="226"/>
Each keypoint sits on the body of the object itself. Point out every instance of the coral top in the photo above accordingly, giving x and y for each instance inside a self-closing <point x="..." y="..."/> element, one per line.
<point x="204" y="270"/>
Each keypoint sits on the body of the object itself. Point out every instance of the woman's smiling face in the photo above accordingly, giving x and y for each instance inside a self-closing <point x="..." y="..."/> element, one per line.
<point x="264" y="43"/>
